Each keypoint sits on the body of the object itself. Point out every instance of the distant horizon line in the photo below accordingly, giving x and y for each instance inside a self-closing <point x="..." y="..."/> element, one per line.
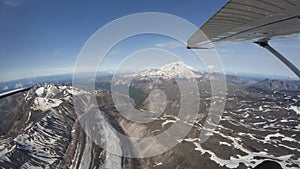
<point x="229" y="73"/>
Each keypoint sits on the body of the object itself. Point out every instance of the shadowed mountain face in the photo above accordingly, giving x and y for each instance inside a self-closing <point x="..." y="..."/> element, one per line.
<point x="279" y="85"/>
<point x="41" y="129"/>
<point x="259" y="127"/>
<point x="268" y="164"/>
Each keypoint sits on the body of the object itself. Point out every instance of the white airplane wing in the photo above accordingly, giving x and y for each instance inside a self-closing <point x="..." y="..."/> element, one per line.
<point x="11" y="92"/>
<point x="244" y="21"/>
<point x="251" y="21"/>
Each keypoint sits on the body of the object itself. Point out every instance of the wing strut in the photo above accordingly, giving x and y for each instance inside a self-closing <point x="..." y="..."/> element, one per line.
<point x="266" y="45"/>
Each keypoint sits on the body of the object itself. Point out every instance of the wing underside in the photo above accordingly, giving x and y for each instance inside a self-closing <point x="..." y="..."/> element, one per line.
<point x="244" y="21"/>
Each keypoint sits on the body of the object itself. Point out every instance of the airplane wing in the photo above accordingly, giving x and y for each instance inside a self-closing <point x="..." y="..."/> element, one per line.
<point x="244" y="21"/>
<point x="251" y="21"/>
<point x="11" y="92"/>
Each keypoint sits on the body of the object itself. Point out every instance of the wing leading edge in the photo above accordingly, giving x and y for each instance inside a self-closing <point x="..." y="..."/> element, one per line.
<point x="245" y="21"/>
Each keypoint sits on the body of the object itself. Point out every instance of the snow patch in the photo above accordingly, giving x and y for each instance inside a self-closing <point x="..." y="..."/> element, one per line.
<point x="157" y="164"/>
<point x="296" y="109"/>
<point x="45" y="104"/>
<point x="75" y="92"/>
<point x="224" y="143"/>
<point x="40" y="91"/>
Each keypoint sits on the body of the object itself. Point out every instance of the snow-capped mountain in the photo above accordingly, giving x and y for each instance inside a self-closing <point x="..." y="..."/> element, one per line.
<point x="44" y="131"/>
<point x="171" y="70"/>
<point x="40" y="129"/>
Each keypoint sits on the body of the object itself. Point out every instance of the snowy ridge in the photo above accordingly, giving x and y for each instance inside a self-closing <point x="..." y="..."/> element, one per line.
<point x="45" y="142"/>
<point x="172" y="70"/>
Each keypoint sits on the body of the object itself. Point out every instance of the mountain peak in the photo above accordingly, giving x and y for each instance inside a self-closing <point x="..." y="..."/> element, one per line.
<point x="176" y="65"/>
<point x="171" y="70"/>
<point x="181" y="70"/>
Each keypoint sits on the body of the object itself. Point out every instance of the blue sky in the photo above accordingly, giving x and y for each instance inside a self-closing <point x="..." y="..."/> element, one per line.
<point x="44" y="37"/>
